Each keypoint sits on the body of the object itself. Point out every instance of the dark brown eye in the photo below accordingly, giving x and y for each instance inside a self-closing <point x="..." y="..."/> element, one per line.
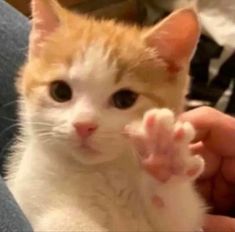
<point x="60" y="91"/>
<point x="124" y="99"/>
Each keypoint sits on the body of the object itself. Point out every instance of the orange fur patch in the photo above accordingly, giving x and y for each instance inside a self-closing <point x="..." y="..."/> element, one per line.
<point x="131" y="54"/>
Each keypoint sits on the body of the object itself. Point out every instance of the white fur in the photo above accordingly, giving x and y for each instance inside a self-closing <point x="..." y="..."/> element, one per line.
<point x="61" y="188"/>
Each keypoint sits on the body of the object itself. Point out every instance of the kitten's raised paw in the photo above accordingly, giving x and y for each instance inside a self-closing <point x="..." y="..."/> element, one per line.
<point x="162" y="144"/>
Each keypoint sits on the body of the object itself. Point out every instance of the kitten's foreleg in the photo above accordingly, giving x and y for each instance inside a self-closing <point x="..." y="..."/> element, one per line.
<point x="169" y="170"/>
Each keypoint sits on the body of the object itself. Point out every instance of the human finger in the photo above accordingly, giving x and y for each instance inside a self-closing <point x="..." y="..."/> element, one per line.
<point x="219" y="224"/>
<point x="215" y="129"/>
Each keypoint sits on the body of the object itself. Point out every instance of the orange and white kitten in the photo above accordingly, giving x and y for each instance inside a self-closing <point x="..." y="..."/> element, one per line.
<point x="100" y="148"/>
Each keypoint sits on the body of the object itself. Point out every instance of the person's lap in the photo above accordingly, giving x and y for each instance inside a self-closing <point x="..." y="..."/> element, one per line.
<point x="14" y="29"/>
<point x="11" y="217"/>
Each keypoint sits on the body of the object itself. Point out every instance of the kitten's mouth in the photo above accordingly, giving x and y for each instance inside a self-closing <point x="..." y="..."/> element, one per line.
<point x="86" y="147"/>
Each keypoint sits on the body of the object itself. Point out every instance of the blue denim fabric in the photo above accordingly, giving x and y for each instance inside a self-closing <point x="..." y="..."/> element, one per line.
<point x="14" y="29"/>
<point x="11" y="217"/>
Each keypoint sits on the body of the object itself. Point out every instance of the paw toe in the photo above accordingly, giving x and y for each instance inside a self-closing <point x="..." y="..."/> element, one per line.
<point x="196" y="167"/>
<point x="166" y="118"/>
<point x="189" y="132"/>
<point x="158" y="118"/>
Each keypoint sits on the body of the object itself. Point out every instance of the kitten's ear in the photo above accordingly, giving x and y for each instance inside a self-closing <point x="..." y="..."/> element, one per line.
<point x="175" y="38"/>
<point x="46" y="17"/>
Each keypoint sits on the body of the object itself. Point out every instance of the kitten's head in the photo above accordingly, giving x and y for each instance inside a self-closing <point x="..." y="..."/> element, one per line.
<point x="86" y="79"/>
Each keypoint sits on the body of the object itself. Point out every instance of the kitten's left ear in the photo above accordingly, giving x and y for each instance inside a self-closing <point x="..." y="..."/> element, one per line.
<point x="175" y="38"/>
<point x="46" y="17"/>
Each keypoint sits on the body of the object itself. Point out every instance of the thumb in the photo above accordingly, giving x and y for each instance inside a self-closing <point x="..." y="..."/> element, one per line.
<point x="219" y="224"/>
<point x="214" y="129"/>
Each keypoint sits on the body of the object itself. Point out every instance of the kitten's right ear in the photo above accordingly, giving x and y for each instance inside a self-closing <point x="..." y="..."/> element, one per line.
<point x="46" y="17"/>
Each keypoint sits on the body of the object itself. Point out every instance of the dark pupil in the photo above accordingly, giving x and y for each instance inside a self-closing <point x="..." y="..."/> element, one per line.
<point x="60" y="91"/>
<point x="124" y="99"/>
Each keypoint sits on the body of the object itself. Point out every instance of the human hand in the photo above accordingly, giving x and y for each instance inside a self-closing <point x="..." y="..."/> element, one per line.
<point x="215" y="141"/>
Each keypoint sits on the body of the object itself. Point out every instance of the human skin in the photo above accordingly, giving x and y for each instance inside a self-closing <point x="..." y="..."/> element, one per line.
<point x="215" y="141"/>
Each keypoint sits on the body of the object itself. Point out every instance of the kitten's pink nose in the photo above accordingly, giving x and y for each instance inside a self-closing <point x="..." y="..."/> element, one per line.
<point x="85" y="129"/>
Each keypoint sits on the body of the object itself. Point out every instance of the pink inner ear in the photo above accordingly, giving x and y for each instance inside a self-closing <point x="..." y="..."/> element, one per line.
<point x="175" y="38"/>
<point x="44" y="22"/>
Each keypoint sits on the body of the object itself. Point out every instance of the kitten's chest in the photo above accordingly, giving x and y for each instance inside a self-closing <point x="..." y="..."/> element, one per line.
<point x="113" y="199"/>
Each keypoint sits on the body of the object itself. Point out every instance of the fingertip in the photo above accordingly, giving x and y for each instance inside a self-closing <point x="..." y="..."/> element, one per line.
<point x="214" y="223"/>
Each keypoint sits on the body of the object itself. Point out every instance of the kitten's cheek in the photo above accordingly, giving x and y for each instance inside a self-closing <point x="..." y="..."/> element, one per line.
<point x="125" y="132"/>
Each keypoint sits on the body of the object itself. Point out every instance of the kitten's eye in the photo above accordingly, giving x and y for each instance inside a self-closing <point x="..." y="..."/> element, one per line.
<point x="124" y="99"/>
<point x="60" y="91"/>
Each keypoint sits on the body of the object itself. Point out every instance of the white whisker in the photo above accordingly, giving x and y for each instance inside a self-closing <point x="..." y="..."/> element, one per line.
<point x="9" y="103"/>
<point x="9" y="119"/>
<point x="7" y="129"/>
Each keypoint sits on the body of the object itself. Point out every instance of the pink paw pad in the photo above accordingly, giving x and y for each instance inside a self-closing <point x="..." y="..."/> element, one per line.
<point x="157" y="201"/>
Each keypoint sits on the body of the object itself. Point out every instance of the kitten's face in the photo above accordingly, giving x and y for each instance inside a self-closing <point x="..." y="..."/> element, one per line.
<point x="88" y="102"/>
<point x="89" y="81"/>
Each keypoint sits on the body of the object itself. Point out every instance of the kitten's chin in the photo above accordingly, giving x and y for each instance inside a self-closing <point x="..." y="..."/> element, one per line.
<point x="92" y="157"/>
